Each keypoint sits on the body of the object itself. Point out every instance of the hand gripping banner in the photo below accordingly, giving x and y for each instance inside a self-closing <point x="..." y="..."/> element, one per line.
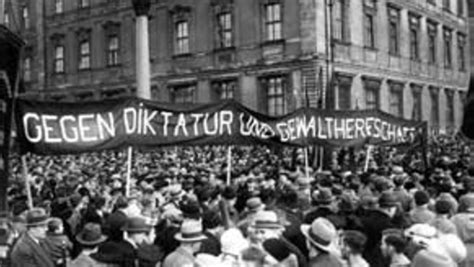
<point x="65" y="128"/>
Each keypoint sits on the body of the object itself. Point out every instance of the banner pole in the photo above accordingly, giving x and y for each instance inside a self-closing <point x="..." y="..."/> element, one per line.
<point x="129" y="171"/>
<point x="27" y="181"/>
<point x="229" y="164"/>
<point x="367" y="158"/>
<point x="306" y="167"/>
<point x="321" y="158"/>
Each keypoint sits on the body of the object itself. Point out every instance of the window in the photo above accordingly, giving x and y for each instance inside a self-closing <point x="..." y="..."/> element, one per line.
<point x="462" y="52"/>
<point x="461" y="8"/>
<point x="84" y="55"/>
<point x="84" y="3"/>
<point x="370" y="13"/>
<point x="273" y="22"/>
<point x="450" y="108"/>
<point x="372" y="89"/>
<point x="27" y="69"/>
<point x="432" y="35"/>
<point x="434" y="118"/>
<point x="224" y="30"/>
<point x="447" y="5"/>
<point x="274" y="88"/>
<point x="396" y="99"/>
<point x="344" y="84"/>
<point x="59" y="59"/>
<point x="58" y="6"/>
<point x="394" y="30"/>
<point x="447" y="48"/>
<point x="183" y="94"/>
<point x="414" y="37"/>
<point x="417" y="104"/>
<point x="25" y="14"/>
<point x="182" y="37"/>
<point x="225" y="89"/>
<point x="112" y="50"/>
<point x="340" y="20"/>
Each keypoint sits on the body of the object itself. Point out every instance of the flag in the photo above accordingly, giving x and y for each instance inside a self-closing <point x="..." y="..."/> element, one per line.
<point x="467" y="127"/>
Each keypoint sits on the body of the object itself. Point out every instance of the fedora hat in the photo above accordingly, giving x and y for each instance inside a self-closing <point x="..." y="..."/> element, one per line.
<point x="266" y="219"/>
<point x="254" y="204"/>
<point x="36" y="217"/>
<point x="233" y="242"/>
<point x="323" y="196"/>
<point x="191" y="231"/>
<point x="320" y="233"/>
<point x="91" y="235"/>
<point x="137" y="225"/>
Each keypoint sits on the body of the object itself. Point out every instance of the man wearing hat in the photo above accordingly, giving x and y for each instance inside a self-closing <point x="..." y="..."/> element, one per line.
<point x="190" y="238"/>
<point x="464" y="222"/>
<point x="27" y="251"/>
<point x="90" y="237"/>
<point x="320" y="238"/>
<point x="322" y="199"/>
<point x="374" y="223"/>
<point x="140" y="235"/>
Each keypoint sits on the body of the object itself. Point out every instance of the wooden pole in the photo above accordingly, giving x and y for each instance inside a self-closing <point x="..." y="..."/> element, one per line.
<point x="367" y="158"/>
<point x="306" y="165"/>
<point x="129" y="171"/>
<point x="229" y="164"/>
<point x="27" y="182"/>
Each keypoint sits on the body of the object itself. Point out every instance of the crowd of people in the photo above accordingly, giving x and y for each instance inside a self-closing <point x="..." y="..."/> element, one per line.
<point x="399" y="207"/>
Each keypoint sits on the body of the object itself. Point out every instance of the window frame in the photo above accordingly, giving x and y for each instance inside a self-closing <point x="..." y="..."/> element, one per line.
<point x="396" y="92"/>
<point x="273" y="22"/>
<point x="27" y="69"/>
<point x="188" y="98"/>
<point x="84" y="62"/>
<point x="59" y="61"/>
<point x="341" y="34"/>
<point x="113" y="53"/>
<point x="369" y="19"/>
<point x="434" y="109"/>
<point x="25" y="17"/>
<point x="225" y="33"/>
<point x="432" y="32"/>
<point x="461" y="43"/>
<point x="448" y="47"/>
<point x="417" y="108"/>
<point x="414" y="36"/>
<point x="276" y="104"/>
<point x="182" y="45"/>
<point x="372" y="86"/>
<point x="394" y="19"/>
<point x="225" y="89"/>
<point x="58" y="6"/>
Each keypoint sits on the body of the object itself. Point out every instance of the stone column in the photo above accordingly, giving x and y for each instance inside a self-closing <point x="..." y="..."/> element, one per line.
<point x="142" y="55"/>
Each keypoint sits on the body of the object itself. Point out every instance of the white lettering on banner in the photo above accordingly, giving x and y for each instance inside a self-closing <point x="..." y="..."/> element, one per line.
<point x="350" y="128"/>
<point x="130" y="127"/>
<point x="226" y="119"/>
<point x="48" y="129"/>
<point x="84" y="128"/>
<point x="147" y="122"/>
<point x="321" y="129"/>
<point x="109" y="127"/>
<point x="207" y="130"/>
<point x="181" y="124"/>
<point x="62" y="125"/>
<point x="254" y="127"/>
<point x="291" y="129"/>
<point x="359" y="128"/>
<point x="341" y="129"/>
<point x="284" y="136"/>
<point x="140" y="116"/>
<point x="196" y="117"/>
<point x="166" y="116"/>
<point x="26" y="118"/>
<point x="329" y="121"/>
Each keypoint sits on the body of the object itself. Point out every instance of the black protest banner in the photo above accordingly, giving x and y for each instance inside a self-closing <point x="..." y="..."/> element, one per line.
<point x="62" y="128"/>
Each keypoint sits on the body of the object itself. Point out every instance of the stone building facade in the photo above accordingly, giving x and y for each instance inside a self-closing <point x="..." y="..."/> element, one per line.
<point x="405" y="56"/>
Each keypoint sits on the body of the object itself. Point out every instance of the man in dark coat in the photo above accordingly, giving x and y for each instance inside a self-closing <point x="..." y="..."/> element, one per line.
<point x="374" y="224"/>
<point x="28" y="252"/>
<point x="116" y="220"/>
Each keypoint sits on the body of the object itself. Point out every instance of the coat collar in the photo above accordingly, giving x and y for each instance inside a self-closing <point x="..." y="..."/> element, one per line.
<point x="37" y="249"/>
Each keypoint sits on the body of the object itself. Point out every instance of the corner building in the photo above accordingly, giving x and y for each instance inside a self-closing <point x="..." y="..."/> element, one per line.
<point x="404" y="57"/>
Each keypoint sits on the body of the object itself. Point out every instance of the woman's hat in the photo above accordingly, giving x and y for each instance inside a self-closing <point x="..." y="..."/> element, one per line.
<point x="276" y="248"/>
<point x="91" y="235"/>
<point x="36" y="217"/>
<point x="137" y="225"/>
<point x="323" y="196"/>
<point x="266" y="220"/>
<point x="320" y="233"/>
<point x="191" y="231"/>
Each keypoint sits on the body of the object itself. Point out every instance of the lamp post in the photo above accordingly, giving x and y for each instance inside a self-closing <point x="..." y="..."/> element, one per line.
<point x="142" y="55"/>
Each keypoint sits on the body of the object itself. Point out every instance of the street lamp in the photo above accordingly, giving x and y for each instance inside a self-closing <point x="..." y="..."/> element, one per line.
<point x="142" y="55"/>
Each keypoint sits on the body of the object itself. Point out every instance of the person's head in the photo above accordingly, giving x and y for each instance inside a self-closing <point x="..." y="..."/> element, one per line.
<point x="90" y="236"/>
<point x="442" y="207"/>
<point x="421" y="198"/>
<point x="392" y="244"/>
<point x="320" y="236"/>
<point x="56" y="226"/>
<point x="190" y="235"/>
<point x="388" y="203"/>
<point x="139" y="230"/>
<point x="36" y="222"/>
<point x="353" y="243"/>
<point x="264" y="226"/>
